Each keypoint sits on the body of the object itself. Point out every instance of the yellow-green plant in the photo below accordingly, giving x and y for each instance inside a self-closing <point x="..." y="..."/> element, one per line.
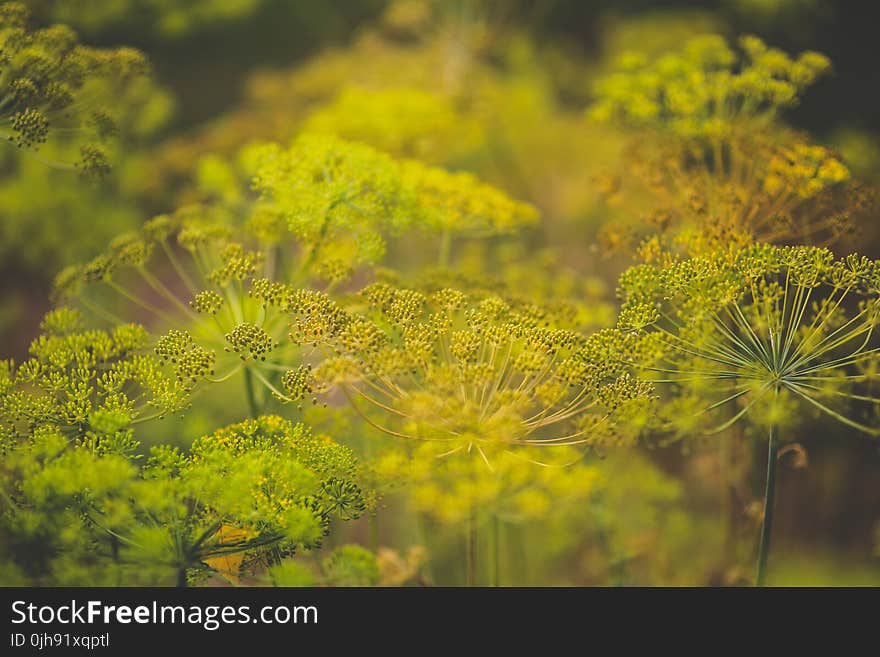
<point x="258" y="490"/>
<point x="715" y="160"/>
<point x="224" y="294"/>
<point x="707" y="91"/>
<point x="52" y="84"/>
<point x="763" y="332"/>
<point x="68" y="414"/>
<point x="340" y="200"/>
<point x="75" y="498"/>
<point x="198" y="288"/>
<point x="481" y="376"/>
<point x="480" y="382"/>
<point x="82" y="381"/>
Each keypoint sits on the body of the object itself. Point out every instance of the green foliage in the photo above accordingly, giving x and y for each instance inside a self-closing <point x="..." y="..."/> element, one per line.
<point x="77" y="498"/>
<point x="351" y="565"/>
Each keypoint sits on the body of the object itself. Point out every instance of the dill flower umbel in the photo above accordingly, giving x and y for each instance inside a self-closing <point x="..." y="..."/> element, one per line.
<point x="241" y="499"/>
<point x="765" y="333"/>
<point x="342" y="200"/>
<point x="707" y="90"/>
<point x="91" y="385"/>
<point x="474" y="375"/>
<point x="765" y="324"/>
<point x="222" y="294"/>
<point x="202" y="293"/>
<point x="715" y="159"/>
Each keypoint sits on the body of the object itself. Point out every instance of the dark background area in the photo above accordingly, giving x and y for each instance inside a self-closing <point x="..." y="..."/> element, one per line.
<point x="206" y="70"/>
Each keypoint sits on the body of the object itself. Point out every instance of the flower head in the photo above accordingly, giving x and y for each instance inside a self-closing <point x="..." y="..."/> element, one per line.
<point x="755" y="330"/>
<point x="472" y="374"/>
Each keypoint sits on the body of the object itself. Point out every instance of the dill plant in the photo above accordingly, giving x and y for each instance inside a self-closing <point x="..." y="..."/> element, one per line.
<point x="222" y="280"/>
<point x="76" y="497"/>
<point x="78" y="379"/>
<point x="257" y="490"/>
<point x="471" y="373"/>
<point x="65" y="108"/>
<point x="478" y="387"/>
<point x="765" y="333"/>
<point x="342" y="199"/>
<point x="717" y="164"/>
<point x="51" y="84"/>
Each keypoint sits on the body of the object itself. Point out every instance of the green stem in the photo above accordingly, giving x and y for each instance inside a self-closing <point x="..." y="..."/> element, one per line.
<point x="494" y="551"/>
<point x="428" y="539"/>
<point x="728" y="518"/>
<point x="181" y="578"/>
<point x="445" y="249"/>
<point x="251" y="393"/>
<point x="516" y="539"/>
<point x="471" y="548"/>
<point x="769" y="499"/>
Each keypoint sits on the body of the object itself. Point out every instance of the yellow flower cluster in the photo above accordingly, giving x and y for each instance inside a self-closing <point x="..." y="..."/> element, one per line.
<point x="707" y="90"/>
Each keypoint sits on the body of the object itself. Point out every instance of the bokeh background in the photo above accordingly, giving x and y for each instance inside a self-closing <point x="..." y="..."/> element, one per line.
<point x="498" y="88"/>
